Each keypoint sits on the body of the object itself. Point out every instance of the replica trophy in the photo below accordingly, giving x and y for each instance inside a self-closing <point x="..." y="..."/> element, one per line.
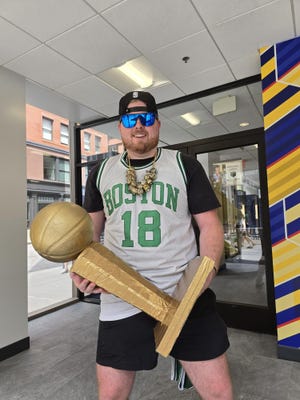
<point x="63" y="232"/>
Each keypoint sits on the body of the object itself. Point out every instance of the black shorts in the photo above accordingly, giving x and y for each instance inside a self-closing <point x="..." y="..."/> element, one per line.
<point x="128" y="343"/>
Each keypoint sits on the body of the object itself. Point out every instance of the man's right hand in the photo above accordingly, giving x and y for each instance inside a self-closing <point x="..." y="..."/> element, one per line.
<point x="85" y="286"/>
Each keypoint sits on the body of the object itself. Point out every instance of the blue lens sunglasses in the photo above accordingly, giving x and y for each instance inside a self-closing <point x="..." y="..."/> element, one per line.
<point x="130" y="120"/>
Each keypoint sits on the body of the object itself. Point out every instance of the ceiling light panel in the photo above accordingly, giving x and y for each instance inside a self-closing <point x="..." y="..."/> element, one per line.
<point x="132" y="75"/>
<point x="191" y="118"/>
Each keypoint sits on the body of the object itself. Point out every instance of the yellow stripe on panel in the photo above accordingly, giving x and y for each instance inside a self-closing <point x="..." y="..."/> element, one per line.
<point x="289" y="272"/>
<point x="285" y="262"/>
<point x="288" y="301"/>
<point x="295" y="239"/>
<point x="292" y="214"/>
<point x="279" y="112"/>
<point x="283" y="177"/>
<point x="278" y="179"/>
<point x="288" y="330"/>
<point x="268" y="67"/>
<point x="293" y="76"/>
<point x="281" y="190"/>
<point x="285" y="162"/>
<point x="263" y="49"/>
<point x="282" y="249"/>
<point x="272" y="91"/>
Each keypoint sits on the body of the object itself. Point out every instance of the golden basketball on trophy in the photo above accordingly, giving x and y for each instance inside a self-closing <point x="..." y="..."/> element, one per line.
<point x="60" y="231"/>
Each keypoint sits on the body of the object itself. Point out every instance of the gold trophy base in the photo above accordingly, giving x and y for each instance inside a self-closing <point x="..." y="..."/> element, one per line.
<point x="101" y="266"/>
<point x="186" y="293"/>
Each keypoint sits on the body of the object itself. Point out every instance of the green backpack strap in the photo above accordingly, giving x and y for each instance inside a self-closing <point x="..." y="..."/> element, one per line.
<point x="179" y="375"/>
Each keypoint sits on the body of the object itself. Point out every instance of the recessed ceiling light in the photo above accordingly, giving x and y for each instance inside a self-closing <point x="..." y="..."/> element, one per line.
<point x="243" y="124"/>
<point x="191" y="119"/>
<point x="149" y="76"/>
<point x="136" y="75"/>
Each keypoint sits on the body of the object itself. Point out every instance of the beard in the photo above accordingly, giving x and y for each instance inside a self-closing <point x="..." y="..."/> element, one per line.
<point x="140" y="146"/>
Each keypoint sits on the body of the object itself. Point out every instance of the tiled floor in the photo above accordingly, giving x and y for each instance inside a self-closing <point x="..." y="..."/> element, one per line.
<point x="60" y="364"/>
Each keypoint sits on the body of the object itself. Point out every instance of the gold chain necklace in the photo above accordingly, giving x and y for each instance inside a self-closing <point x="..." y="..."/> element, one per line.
<point x="146" y="183"/>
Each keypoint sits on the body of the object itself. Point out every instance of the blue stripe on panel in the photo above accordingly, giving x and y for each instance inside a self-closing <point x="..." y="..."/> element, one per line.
<point x="283" y="137"/>
<point x="292" y="200"/>
<point x="277" y="223"/>
<point x="267" y="55"/>
<point x="268" y="80"/>
<point x="292" y="341"/>
<point x="293" y="227"/>
<point x="287" y="287"/>
<point x="288" y="315"/>
<point x="281" y="97"/>
<point x="287" y="54"/>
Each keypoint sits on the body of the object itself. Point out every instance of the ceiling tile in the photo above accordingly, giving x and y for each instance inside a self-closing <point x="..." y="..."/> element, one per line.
<point x="215" y="12"/>
<point x="153" y="24"/>
<point x="14" y="42"/>
<point x="207" y="101"/>
<point x="46" y="67"/>
<point x="101" y="5"/>
<point x="297" y="16"/>
<point x="170" y="133"/>
<point x="176" y="110"/>
<point x="208" y="130"/>
<point x="170" y="59"/>
<point x="245" y="66"/>
<point x="115" y="78"/>
<point x="166" y="92"/>
<point x="205" y="80"/>
<point x="95" y="94"/>
<point x="246" y="110"/>
<point x="45" y="19"/>
<point x="267" y="25"/>
<point x="221" y="38"/>
<point x="94" y="45"/>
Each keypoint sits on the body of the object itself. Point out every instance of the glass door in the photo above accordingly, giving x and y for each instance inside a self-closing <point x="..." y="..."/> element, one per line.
<point x="244" y="284"/>
<point x="234" y="176"/>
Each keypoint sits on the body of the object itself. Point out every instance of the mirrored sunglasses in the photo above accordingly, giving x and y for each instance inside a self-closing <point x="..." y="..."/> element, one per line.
<point x="130" y="120"/>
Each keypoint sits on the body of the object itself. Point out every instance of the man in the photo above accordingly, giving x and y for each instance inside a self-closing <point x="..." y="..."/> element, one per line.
<point x="145" y="200"/>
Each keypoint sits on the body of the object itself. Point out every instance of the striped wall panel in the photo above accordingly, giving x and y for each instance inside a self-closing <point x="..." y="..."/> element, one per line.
<point x="280" y="72"/>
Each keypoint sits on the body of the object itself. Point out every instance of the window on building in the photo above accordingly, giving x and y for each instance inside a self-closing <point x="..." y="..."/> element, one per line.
<point x="97" y="144"/>
<point x="87" y="141"/>
<point x="56" y="169"/>
<point x="64" y="134"/>
<point x="47" y="128"/>
<point x="49" y="168"/>
<point x="63" y="170"/>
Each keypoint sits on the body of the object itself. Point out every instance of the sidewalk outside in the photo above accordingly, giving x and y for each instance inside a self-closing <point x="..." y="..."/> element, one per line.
<point x="47" y="282"/>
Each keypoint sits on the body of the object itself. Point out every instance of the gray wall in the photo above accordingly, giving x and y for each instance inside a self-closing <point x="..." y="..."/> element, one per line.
<point x="13" y="242"/>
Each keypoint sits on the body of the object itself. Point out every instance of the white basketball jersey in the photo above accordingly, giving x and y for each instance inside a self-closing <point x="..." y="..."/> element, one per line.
<point x="152" y="232"/>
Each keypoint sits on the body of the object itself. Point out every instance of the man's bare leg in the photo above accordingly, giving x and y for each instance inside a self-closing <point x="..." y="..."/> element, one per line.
<point x="114" y="384"/>
<point x="210" y="378"/>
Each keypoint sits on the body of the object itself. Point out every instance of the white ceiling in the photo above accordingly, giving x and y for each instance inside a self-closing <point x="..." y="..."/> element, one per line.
<point x="67" y="46"/>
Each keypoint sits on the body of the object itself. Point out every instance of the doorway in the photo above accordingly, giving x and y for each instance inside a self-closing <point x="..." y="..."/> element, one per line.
<point x="235" y="166"/>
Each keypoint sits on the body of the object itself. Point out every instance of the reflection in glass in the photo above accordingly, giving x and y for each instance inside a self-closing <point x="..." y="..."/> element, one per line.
<point x="234" y="176"/>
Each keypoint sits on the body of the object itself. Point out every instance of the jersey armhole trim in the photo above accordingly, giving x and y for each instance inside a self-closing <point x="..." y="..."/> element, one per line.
<point x="100" y="173"/>
<point x="181" y="166"/>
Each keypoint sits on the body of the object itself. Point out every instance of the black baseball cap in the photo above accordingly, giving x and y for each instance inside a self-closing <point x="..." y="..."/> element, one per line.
<point x="145" y="97"/>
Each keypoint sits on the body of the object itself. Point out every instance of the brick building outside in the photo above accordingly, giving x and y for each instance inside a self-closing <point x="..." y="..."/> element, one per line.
<point x="48" y="157"/>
